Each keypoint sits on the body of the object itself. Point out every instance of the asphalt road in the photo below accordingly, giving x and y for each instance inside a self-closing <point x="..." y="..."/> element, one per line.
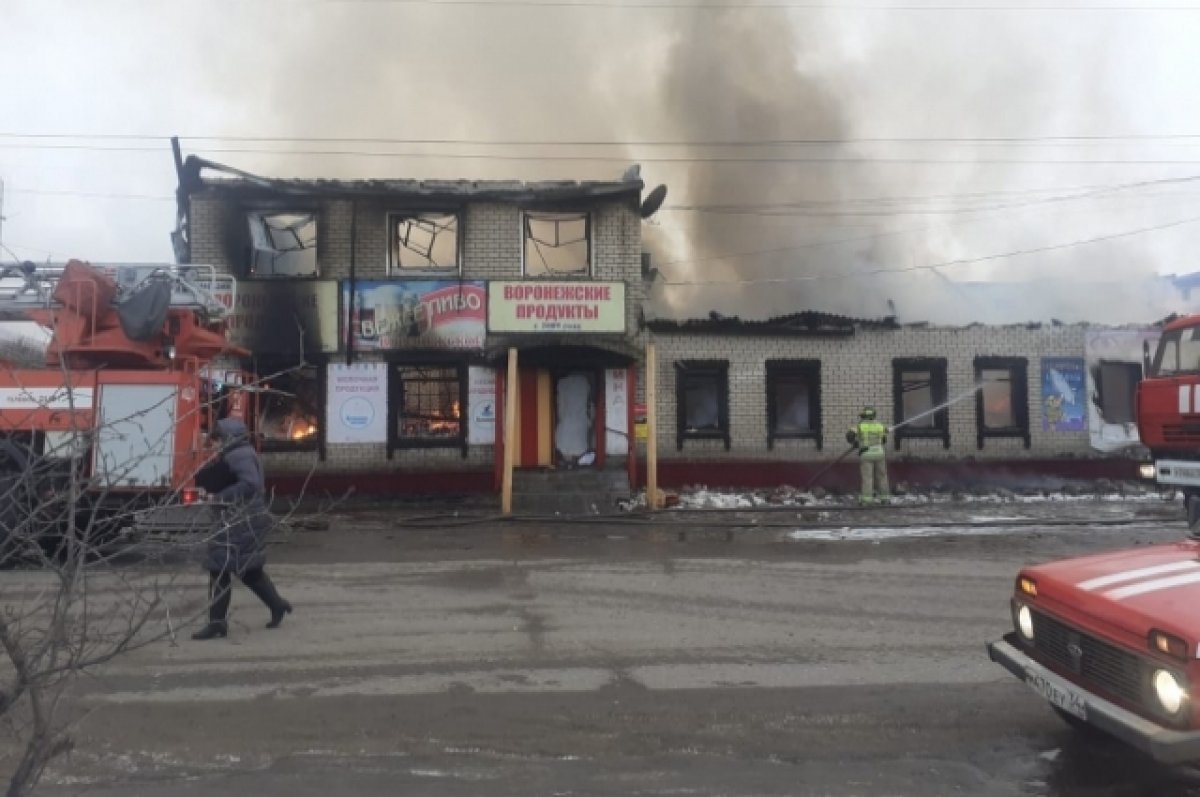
<point x="664" y="659"/>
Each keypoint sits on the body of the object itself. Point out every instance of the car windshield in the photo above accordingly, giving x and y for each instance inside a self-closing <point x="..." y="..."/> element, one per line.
<point x="1178" y="352"/>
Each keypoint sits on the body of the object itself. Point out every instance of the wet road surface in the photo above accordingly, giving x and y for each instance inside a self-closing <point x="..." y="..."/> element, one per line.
<point x="594" y="660"/>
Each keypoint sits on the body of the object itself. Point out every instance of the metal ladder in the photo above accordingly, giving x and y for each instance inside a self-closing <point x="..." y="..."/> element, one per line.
<point x="196" y="287"/>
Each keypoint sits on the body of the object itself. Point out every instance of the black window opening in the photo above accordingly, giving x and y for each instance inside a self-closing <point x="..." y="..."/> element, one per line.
<point x="794" y="401"/>
<point x="290" y="405"/>
<point x="423" y="242"/>
<point x="1002" y="399"/>
<point x="702" y="401"/>
<point x="1116" y="387"/>
<point x="283" y="244"/>
<point x="557" y="244"/>
<point x="919" y="389"/>
<point x="428" y="404"/>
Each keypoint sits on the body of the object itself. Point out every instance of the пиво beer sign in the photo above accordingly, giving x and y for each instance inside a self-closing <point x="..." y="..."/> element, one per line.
<point x="418" y="314"/>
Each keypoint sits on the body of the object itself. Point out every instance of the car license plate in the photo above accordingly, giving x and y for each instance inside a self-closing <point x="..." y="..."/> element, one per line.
<point x="1057" y="692"/>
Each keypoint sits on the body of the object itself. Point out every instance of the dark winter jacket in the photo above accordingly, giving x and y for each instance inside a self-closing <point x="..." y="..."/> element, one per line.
<point x="240" y="541"/>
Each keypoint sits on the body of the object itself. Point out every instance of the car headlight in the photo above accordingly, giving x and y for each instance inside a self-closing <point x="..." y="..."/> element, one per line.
<point x="1025" y="622"/>
<point x="1147" y="470"/>
<point x="1171" y="695"/>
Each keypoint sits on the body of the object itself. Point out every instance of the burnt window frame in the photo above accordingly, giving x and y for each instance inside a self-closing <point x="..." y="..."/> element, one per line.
<point x="1018" y="368"/>
<point x="1141" y="374"/>
<point x="808" y="371"/>
<point x="394" y="270"/>
<point x="589" y="235"/>
<point x="397" y="442"/>
<point x="686" y="370"/>
<point x="938" y="368"/>
<point x="280" y="210"/>
<point x="262" y="368"/>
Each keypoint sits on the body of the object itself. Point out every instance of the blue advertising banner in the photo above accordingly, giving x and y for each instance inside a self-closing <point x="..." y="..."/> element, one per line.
<point x="394" y="314"/>
<point x="1064" y="393"/>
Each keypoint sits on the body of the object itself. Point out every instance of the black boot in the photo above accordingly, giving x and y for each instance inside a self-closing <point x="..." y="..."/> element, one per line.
<point x="217" y="629"/>
<point x="219" y="596"/>
<point x="260" y="584"/>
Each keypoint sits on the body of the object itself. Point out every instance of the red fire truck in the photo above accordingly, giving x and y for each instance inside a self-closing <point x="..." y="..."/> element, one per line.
<point x="1168" y="410"/>
<point x="127" y="391"/>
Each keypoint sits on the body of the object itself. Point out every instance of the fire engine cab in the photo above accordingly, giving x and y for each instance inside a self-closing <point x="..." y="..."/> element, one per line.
<point x="1168" y="409"/>
<point x="127" y="391"/>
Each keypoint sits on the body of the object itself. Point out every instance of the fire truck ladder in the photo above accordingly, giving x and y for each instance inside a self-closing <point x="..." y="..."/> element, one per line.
<point x="199" y="288"/>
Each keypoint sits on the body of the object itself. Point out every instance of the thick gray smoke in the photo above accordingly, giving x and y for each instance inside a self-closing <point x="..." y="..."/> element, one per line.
<point x="856" y="237"/>
<point x="787" y="232"/>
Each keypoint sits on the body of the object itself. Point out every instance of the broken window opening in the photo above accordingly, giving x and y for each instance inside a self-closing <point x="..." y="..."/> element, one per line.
<point x="919" y="389"/>
<point x="283" y="244"/>
<point x="557" y="244"/>
<point x="423" y="242"/>
<point x="702" y="401"/>
<point x="1002" y="401"/>
<point x="794" y="401"/>
<point x="1116" y="389"/>
<point x="289" y="406"/>
<point x="428" y="406"/>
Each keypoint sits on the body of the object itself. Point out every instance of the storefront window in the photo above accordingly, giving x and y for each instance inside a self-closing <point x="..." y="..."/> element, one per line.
<point x="289" y="407"/>
<point x="702" y="401"/>
<point x="1002" y="401"/>
<point x="429" y="405"/>
<point x="919" y="388"/>
<point x="793" y="400"/>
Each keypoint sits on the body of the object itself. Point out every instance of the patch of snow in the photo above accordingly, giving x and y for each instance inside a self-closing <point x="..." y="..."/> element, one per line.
<point x="876" y="533"/>
<point x="707" y="498"/>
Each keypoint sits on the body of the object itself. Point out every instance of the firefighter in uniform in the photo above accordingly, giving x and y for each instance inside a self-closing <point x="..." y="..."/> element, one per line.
<point x="871" y="438"/>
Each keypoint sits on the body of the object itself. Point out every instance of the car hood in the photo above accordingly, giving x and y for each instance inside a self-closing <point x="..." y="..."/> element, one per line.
<point x="1136" y="590"/>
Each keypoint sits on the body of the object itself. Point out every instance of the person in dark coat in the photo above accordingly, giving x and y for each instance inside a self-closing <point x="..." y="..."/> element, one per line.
<point x="239" y="546"/>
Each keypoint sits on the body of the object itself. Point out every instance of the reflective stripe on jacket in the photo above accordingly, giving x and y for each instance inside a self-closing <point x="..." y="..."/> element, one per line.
<point x="871" y="434"/>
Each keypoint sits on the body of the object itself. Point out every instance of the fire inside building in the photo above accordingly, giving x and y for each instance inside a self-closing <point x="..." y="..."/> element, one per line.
<point x="380" y="314"/>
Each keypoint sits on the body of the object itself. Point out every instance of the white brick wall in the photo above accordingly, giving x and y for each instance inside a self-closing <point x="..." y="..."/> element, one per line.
<point x="857" y="371"/>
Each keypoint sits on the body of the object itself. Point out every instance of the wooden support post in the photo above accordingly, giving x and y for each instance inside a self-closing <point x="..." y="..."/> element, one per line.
<point x="510" y="424"/>
<point x="651" y="428"/>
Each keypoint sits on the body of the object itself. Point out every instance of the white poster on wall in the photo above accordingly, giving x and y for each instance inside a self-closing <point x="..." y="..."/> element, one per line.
<point x="616" y="412"/>
<point x="481" y="406"/>
<point x="1120" y="345"/>
<point x="357" y="403"/>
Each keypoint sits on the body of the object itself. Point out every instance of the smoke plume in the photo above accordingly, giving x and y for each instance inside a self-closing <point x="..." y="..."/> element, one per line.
<point x="844" y="225"/>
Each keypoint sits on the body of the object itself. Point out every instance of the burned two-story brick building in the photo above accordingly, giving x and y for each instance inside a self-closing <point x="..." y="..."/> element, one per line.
<point x="380" y="314"/>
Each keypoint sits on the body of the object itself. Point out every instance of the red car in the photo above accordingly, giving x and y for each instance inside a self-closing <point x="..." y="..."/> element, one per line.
<point x="1112" y="642"/>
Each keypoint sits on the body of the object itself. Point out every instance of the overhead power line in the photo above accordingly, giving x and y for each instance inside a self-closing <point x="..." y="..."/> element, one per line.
<point x="935" y="266"/>
<point x="596" y="142"/>
<point x="90" y="194"/>
<point x="818" y="161"/>
<point x="816" y="210"/>
<point x="774" y="4"/>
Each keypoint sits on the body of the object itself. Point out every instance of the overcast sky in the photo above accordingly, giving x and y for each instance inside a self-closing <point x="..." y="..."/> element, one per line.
<point x="641" y="77"/>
